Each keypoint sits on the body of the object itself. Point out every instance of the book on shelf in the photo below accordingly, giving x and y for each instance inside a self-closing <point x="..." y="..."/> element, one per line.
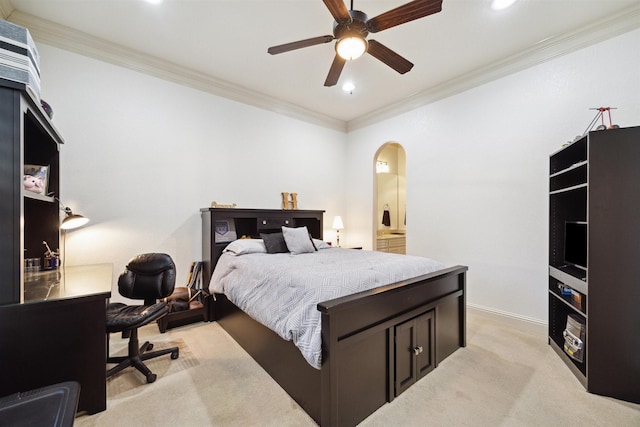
<point x="195" y="276"/>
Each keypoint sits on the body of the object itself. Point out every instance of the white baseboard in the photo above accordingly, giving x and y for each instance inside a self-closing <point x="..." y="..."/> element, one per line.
<point x="504" y="315"/>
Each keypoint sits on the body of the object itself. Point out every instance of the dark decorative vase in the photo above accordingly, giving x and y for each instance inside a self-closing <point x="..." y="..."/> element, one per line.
<point x="47" y="108"/>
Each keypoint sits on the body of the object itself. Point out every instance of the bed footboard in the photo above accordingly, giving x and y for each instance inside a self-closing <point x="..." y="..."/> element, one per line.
<point x="377" y="343"/>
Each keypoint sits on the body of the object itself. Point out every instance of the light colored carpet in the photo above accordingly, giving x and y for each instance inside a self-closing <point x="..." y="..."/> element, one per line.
<point x="162" y="366"/>
<point x="506" y="376"/>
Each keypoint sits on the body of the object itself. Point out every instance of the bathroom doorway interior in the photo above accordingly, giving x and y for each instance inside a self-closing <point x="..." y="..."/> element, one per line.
<point x="390" y="222"/>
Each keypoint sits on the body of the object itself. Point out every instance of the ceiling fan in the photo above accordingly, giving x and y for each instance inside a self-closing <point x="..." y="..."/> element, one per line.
<point x="351" y="28"/>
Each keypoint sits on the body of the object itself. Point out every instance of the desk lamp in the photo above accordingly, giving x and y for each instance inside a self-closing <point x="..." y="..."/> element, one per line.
<point x="72" y="220"/>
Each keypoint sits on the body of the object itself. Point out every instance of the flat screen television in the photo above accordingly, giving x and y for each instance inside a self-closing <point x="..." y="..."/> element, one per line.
<point x="575" y="243"/>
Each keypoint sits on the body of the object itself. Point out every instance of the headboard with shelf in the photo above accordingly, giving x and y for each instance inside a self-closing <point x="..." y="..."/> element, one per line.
<point x="250" y="223"/>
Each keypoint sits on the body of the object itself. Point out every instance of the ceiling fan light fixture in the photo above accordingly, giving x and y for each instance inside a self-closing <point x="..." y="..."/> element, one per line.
<point x="351" y="47"/>
<point x="501" y="4"/>
<point x="351" y="28"/>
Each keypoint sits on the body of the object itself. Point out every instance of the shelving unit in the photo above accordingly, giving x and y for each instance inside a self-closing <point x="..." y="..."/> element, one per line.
<point x="42" y="341"/>
<point x="27" y="136"/>
<point x="594" y="183"/>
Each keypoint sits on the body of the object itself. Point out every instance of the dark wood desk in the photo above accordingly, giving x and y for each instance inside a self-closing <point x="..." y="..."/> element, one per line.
<point x="58" y="334"/>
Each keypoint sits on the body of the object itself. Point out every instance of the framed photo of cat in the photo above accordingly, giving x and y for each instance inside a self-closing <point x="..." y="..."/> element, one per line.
<point x="36" y="179"/>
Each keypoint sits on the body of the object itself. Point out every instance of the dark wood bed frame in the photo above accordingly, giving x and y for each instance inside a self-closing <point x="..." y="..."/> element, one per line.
<point x="373" y="342"/>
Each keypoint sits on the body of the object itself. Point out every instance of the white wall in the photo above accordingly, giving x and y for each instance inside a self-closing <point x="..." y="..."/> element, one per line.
<point x="143" y="155"/>
<point x="477" y="168"/>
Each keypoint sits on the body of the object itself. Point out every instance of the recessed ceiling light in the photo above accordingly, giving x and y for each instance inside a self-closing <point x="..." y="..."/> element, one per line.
<point x="154" y="1"/>
<point x="348" y="87"/>
<point x="501" y="4"/>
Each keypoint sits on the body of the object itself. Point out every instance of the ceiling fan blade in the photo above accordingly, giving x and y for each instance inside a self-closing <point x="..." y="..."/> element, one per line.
<point x="338" y="10"/>
<point x="335" y="70"/>
<point x="389" y="57"/>
<point x="402" y="14"/>
<point x="274" y="50"/>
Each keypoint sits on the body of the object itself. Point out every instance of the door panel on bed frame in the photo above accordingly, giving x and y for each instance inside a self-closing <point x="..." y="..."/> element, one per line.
<point x="413" y="351"/>
<point x="358" y="366"/>
<point x="362" y="378"/>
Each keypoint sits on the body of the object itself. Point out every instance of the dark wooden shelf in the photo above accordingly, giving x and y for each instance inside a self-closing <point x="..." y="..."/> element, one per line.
<point x="592" y="181"/>
<point x="186" y="317"/>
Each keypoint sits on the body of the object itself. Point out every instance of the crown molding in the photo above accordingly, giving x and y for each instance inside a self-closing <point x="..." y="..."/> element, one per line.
<point x="6" y="9"/>
<point x="546" y="50"/>
<point x="84" y="44"/>
<point x="63" y="37"/>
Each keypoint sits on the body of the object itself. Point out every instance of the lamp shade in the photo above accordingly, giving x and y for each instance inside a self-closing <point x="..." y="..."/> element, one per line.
<point x="337" y="223"/>
<point x="72" y="220"/>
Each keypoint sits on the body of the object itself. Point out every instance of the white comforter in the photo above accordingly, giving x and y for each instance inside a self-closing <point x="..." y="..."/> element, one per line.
<point x="281" y="291"/>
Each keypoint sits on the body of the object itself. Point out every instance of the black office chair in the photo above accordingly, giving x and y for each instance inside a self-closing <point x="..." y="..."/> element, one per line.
<point x="148" y="277"/>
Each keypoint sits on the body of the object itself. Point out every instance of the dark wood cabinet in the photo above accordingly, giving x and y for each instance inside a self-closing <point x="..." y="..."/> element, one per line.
<point x="414" y="350"/>
<point x="594" y="243"/>
<point x="43" y="343"/>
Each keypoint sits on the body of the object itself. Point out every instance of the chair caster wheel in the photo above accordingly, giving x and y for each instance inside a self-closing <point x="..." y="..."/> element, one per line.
<point x="151" y="378"/>
<point x="175" y="354"/>
<point x="149" y="347"/>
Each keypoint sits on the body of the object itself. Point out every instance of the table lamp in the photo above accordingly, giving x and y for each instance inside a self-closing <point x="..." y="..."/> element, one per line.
<point x="337" y="225"/>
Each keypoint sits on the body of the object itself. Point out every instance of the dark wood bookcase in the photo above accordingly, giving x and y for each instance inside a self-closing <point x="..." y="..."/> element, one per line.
<point x="594" y="186"/>
<point x="27" y="136"/>
<point x="42" y="341"/>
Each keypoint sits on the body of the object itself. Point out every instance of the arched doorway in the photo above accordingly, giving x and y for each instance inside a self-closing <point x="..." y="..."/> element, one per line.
<point x="390" y="202"/>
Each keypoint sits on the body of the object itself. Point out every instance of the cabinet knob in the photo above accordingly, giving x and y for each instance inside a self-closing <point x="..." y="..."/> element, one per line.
<point x="417" y="350"/>
<point x="264" y="222"/>
<point x="286" y="221"/>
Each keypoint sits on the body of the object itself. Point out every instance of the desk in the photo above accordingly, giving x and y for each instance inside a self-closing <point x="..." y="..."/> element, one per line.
<point x="58" y="334"/>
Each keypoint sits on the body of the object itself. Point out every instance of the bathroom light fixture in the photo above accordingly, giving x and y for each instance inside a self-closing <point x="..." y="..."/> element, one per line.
<point x="337" y="225"/>
<point x="382" y="167"/>
<point x="351" y="46"/>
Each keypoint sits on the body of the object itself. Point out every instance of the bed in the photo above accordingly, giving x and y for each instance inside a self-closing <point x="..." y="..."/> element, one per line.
<point x="374" y="343"/>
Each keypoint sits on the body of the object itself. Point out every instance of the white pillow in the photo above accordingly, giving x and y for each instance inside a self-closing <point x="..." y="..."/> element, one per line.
<point x="246" y="246"/>
<point x="320" y="244"/>
<point x="298" y="240"/>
